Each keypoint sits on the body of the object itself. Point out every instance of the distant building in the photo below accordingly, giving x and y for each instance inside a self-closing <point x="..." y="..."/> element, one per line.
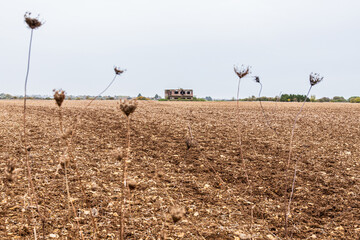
<point x="179" y="93"/>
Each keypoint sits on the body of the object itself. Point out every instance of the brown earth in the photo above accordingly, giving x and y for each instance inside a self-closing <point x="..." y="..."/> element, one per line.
<point x="208" y="180"/>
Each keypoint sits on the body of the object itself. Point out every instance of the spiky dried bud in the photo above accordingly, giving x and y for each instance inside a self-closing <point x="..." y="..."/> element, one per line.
<point x="242" y="71"/>
<point x="257" y="79"/>
<point x="315" y="78"/>
<point x="128" y="107"/>
<point x="32" y="23"/>
<point x="118" y="71"/>
<point x="59" y="96"/>
<point x="177" y="213"/>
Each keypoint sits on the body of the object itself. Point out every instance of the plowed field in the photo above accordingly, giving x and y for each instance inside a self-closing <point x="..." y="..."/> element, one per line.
<point x="208" y="180"/>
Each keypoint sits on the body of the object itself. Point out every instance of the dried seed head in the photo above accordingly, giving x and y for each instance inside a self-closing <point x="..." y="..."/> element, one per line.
<point x="59" y="96"/>
<point x="118" y="71"/>
<point x="315" y="78"/>
<point x="32" y="23"/>
<point x="119" y="154"/>
<point x="190" y="143"/>
<point x="131" y="184"/>
<point x="177" y="213"/>
<point x="67" y="134"/>
<point x="257" y="79"/>
<point x="128" y="107"/>
<point x="64" y="161"/>
<point x="242" y="71"/>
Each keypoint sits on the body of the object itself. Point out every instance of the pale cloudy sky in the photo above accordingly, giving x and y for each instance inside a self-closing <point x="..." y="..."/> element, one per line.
<point x="182" y="43"/>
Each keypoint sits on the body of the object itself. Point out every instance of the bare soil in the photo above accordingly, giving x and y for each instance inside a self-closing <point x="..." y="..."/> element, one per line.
<point x="180" y="193"/>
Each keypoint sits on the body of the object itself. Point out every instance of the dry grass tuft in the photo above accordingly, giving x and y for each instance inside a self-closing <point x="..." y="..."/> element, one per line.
<point x="32" y="23"/>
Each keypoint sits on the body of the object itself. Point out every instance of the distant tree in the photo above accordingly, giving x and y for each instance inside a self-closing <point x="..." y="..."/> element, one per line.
<point x="354" y="99"/>
<point x="324" y="99"/>
<point x="208" y="98"/>
<point x="139" y="95"/>
<point x="312" y="98"/>
<point x="157" y="97"/>
<point x="338" y="99"/>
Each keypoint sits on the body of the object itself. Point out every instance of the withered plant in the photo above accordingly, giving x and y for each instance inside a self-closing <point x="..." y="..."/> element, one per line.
<point x="241" y="73"/>
<point x="127" y="107"/>
<point x="32" y="23"/>
<point x="314" y="79"/>
<point x="257" y="80"/>
<point x="59" y="97"/>
<point x="72" y="133"/>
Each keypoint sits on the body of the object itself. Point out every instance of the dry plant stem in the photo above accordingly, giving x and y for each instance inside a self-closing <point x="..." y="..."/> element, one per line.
<point x="70" y="203"/>
<point x="33" y="196"/>
<point x="239" y="133"/>
<point x="287" y="206"/>
<point x="123" y="198"/>
<point x="102" y="91"/>
<point x="70" y="144"/>
<point x="263" y="111"/>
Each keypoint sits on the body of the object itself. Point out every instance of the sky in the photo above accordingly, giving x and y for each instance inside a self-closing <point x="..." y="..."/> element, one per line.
<point x="182" y="44"/>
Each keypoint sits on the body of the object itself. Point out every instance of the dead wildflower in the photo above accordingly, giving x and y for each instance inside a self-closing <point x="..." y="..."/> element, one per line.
<point x="32" y="23"/>
<point x="131" y="184"/>
<point x="59" y="96"/>
<point x="257" y="79"/>
<point x="190" y="142"/>
<point x="242" y="71"/>
<point x="9" y="172"/>
<point x="128" y="106"/>
<point x="315" y="78"/>
<point x="177" y="213"/>
<point x="118" y="71"/>
<point x="67" y="134"/>
<point x="118" y="153"/>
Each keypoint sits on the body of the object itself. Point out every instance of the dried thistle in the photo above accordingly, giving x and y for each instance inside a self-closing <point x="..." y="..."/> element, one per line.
<point x="59" y="96"/>
<point x="257" y="79"/>
<point x="315" y="78"/>
<point x="118" y="71"/>
<point x="242" y="71"/>
<point x="32" y="23"/>
<point x="128" y="107"/>
<point x="177" y="213"/>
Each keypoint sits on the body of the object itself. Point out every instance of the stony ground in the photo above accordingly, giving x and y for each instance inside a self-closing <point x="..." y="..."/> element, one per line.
<point x="208" y="188"/>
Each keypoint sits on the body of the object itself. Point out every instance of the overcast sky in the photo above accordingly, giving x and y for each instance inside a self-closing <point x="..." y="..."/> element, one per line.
<point x="182" y="43"/>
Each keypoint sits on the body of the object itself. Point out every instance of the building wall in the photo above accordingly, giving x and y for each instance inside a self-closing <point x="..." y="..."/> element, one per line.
<point x="179" y="94"/>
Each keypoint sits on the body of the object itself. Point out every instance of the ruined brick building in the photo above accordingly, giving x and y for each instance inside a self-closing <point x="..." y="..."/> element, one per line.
<point x="179" y="94"/>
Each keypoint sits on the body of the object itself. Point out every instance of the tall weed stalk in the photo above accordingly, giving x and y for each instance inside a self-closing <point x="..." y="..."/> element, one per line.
<point x="314" y="78"/>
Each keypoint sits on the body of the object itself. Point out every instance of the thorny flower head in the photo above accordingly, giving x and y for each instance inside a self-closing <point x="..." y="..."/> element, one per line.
<point x="315" y="78"/>
<point x="257" y="79"/>
<point x="32" y="23"/>
<point x="128" y="106"/>
<point x="59" y="96"/>
<point x="242" y="71"/>
<point x="118" y="71"/>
